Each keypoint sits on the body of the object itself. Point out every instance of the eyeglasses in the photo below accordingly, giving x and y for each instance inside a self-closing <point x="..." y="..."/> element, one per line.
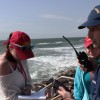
<point x="24" y="47"/>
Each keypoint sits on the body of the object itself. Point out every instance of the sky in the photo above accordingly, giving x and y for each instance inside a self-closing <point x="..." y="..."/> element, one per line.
<point x="45" y="18"/>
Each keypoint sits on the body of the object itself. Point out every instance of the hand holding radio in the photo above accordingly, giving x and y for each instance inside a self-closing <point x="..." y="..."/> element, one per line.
<point x="83" y="59"/>
<point x="56" y="85"/>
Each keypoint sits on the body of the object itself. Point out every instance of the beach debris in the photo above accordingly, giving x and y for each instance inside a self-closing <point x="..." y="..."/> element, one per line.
<point x="63" y="78"/>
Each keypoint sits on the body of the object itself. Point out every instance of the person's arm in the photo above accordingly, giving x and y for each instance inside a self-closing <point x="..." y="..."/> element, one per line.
<point x="78" y="85"/>
<point x="8" y="90"/>
<point x="4" y="67"/>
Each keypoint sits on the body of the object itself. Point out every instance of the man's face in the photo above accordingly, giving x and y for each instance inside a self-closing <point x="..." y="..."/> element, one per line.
<point x="94" y="34"/>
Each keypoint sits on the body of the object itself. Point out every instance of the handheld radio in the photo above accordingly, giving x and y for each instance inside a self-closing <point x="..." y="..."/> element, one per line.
<point x="82" y="57"/>
<point x="57" y="83"/>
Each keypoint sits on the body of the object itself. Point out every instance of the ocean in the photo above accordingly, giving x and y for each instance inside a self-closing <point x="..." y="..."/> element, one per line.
<point x="51" y="56"/>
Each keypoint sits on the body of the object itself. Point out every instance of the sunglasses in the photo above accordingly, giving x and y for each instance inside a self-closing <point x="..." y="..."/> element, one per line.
<point x="24" y="47"/>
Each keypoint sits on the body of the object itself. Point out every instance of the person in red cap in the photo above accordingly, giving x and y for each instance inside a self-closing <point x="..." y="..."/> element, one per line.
<point x="14" y="74"/>
<point x="83" y="78"/>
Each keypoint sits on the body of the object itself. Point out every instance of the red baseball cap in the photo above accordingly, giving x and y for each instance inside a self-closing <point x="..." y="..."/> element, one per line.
<point x="21" y="39"/>
<point x="87" y="42"/>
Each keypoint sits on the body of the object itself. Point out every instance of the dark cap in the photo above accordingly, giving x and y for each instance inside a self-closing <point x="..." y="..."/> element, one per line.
<point x="93" y="18"/>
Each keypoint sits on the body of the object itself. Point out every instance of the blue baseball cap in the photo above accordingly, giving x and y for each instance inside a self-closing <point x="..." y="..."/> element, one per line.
<point x="93" y="18"/>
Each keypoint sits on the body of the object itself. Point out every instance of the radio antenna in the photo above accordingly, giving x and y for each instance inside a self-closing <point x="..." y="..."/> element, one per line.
<point x="71" y="45"/>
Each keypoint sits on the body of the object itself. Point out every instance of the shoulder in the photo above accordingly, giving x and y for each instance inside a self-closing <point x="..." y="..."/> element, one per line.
<point x="78" y="69"/>
<point x="4" y="66"/>
<point x="79" y="72"/>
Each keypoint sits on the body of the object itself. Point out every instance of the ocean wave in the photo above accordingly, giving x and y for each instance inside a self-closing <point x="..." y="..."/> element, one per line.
<point x="60" y="49"/>
<point x="49" y="65"/>
<point x="59" y="42"/>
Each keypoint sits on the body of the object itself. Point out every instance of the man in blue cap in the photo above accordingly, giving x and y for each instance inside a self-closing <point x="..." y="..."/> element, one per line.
<point x="93" y="25"/>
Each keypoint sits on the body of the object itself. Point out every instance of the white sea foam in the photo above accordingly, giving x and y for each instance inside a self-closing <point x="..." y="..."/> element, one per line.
<point x="57" y="59"/>
<point x="59" y="42"/>
<point x="51" y="64"/>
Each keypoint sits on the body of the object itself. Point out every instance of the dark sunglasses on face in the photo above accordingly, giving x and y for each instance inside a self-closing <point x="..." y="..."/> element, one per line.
<point x="24" y="47"/>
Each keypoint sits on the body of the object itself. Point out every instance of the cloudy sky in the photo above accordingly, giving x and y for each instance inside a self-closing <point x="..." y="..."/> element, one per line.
<point x="44" y="18"/>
